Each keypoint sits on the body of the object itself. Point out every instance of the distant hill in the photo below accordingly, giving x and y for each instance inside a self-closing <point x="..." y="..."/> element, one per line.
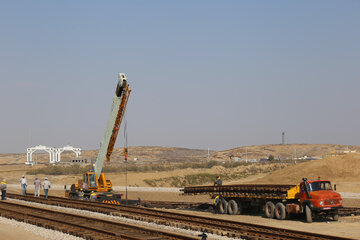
<point x="344" y="170"/>
<point x="142" y="154"/>
<point x="155" y="155"/>
<point x="283" y="151"/>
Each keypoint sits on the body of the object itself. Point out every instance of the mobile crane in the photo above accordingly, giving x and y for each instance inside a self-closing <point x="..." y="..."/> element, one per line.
<point x="94" y="184"/>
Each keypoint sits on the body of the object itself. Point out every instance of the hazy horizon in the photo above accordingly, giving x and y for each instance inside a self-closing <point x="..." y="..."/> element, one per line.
<point x="203" y="149"/>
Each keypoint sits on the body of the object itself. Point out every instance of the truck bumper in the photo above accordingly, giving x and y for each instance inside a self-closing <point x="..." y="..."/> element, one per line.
<point x="326" y="209"/>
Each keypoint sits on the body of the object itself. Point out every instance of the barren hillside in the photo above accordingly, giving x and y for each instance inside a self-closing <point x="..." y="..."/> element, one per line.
<point x="148" y="154"/>
<point x="283" y="151"/>
<point x="344" y="170"/>
<point x="142" y="154"/>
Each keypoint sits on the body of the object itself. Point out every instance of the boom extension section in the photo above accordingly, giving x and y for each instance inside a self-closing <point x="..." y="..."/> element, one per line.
<point x="116" y="115"/>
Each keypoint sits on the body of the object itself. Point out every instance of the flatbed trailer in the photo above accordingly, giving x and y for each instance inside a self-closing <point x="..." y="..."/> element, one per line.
<point x="310" y="197"/>
<point x="246" y="191"/>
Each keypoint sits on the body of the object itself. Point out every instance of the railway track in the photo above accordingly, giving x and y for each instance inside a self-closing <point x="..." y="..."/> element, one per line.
<point x="349" y="212"/>
<point x="172" y="205"/>
<point x="83" y="226"/>
<point x="211" y="225"/>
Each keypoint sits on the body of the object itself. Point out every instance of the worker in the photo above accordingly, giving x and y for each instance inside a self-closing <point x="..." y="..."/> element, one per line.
<point x="23" y="184"/>
<point x="218" y="181"/>
<point x="37" y="185"/>
<point x="93" y="196"/>
<point x="203" y="235"/>
<point x="217" y="201"/>
<point x="3" y="189"/>
<point x="46" y="186"/>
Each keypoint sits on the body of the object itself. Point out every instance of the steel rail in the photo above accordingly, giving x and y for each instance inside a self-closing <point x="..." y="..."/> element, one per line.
<point x="83" y="226"/>
<point x="211" y="225"/>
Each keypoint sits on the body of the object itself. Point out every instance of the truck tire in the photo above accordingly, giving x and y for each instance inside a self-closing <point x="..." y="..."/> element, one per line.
<point x="222" y="206"/>
<point x="232" y="207"/>
<point x="308" y="214"/>
<point x="280" y="211"/>
<point x="240" y="207"/>
<point x="269" y="209"/>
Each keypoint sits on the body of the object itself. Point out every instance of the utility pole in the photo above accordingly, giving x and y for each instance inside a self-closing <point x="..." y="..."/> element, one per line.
<point x="246" y="154"/>
<point x="283" y="138"/>
<point x="208" y="154"/>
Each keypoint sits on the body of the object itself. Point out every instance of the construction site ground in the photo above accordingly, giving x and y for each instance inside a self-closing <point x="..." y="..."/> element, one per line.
<point x="342" y="170"/>
<point x="346" y="226"/>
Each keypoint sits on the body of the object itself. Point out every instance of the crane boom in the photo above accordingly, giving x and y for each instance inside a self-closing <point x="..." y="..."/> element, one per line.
<point x="115" y="117"/>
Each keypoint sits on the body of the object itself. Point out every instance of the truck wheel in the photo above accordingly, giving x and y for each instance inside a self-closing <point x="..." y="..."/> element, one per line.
<point x="280" y="211"/>
<point x="269" y="209"/>
<point x="308" y="214"/>
<point x="222" y="206"/>
<point x="240" y="207"/>
<point x="232" y="207"/>
<point x="336" y="217"/>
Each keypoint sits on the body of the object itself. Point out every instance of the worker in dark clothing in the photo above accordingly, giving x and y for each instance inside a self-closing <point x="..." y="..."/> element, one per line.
<point x="218" y="181"/>
<point x="217" y="201"/>
<point x="3" y="189"/>
<point x="203" y="235"/>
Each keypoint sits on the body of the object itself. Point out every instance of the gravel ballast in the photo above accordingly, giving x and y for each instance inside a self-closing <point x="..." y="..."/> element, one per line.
<point x="121" y="219"/>
<point x="39" y="231"/>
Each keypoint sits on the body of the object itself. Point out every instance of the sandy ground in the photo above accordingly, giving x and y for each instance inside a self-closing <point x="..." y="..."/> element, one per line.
<point x="346" y="227"/>
<point x="9" y="232"/>
<point x="342" y="170"/>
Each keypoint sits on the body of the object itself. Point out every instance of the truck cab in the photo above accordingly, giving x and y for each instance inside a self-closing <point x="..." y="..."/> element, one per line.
<point x="317" y="196"/>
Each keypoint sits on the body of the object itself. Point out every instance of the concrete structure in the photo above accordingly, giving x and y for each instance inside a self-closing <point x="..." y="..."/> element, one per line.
<point x="58" y="151"/>
<point x="30" y="151"/>
<point x="54" y="153"/>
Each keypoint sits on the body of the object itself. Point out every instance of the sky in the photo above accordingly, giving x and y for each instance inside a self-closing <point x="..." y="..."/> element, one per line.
<point x="203" y="74"/>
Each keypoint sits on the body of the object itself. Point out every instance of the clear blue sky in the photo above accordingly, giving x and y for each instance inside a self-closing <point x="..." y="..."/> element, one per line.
<point x="217" y="74"/>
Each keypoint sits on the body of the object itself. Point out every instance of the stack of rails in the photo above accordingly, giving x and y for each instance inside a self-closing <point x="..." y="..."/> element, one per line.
<point x="242" y="191"/>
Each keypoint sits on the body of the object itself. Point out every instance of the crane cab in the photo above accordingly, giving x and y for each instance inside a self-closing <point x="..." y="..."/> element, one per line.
<point x="91" y="182"/>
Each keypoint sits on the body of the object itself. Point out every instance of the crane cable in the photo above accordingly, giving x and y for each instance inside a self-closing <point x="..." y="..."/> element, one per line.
<point x="125" y="139"/>
<point x="125" y="156"/>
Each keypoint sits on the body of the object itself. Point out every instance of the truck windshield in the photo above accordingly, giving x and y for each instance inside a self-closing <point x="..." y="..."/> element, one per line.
<point x="318" y="186"/>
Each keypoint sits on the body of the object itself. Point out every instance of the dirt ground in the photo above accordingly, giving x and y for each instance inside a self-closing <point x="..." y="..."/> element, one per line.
<point x="9" y="232"/>
<point x="345" y="227"/>
<point x="342" y="170"/>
